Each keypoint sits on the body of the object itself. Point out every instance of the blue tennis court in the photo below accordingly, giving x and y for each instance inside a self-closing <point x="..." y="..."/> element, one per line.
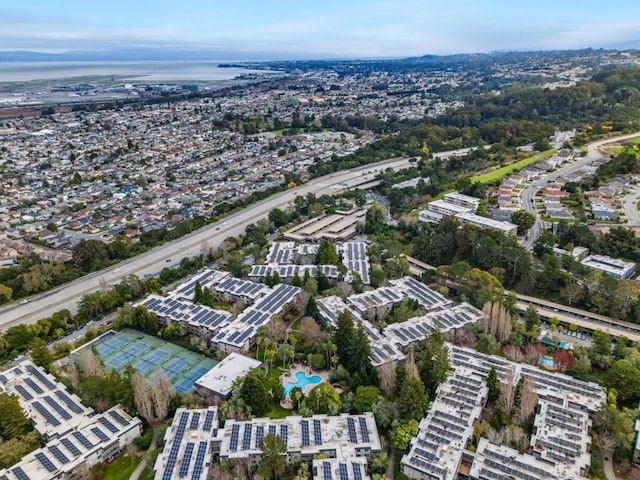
<point x="149" y="355"/>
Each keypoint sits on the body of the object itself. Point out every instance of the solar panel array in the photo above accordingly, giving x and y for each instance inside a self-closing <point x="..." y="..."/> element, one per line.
<point x="200" y="460"/>
<point x="448" y="425"/>
<point x="68" y="444"/>
<point x="176" y="310"/>
<point x="19" y="473"/>
<point x="355" y="258"/>
<point x="100" y="434"/>
<point x="186" y="459"/>
<point x="49" y="418"/>
<point x="245" y="327"/>
<point x="57" y="453"/>
<point x="175" y="446"/>
<point x="46" y="463"/>
<point x="317" y="432"/>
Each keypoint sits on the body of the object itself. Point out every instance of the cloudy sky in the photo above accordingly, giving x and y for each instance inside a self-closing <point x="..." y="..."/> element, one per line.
<point x="337" y="28"/>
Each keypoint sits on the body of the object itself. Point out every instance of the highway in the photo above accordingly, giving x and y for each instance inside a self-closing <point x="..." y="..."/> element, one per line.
<point x="585" y="320"/>
<point x="528" y="193"/>
<point x="169" y="255"/>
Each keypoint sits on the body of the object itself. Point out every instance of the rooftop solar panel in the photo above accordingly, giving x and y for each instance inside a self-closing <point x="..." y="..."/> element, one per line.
<point x="68" y="444"/>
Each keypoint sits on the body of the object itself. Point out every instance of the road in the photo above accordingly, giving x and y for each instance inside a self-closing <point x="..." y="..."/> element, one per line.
<point x="630" y="206"/>
<point x="169" y="255"/>
<point x="528" y="193"/>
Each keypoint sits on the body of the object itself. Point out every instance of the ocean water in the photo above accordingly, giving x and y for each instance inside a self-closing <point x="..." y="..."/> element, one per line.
<point x="151" y="71"/>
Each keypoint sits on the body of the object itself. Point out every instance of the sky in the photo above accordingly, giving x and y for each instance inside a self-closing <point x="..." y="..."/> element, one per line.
<point x="325" y="28"/>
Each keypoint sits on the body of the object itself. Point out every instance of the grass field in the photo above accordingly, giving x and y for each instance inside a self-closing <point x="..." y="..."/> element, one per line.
<point x="508" y="169"/>
<point x="122" y="468"/>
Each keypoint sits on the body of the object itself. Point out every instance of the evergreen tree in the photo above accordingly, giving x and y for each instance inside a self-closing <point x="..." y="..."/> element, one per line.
<point x="254" y="392"/>
<point x="493" y="385"/>
<point x="412" y="400"/>
<point x="13" y="421"/>
<point x="435" y="365"/>
<point x="197" y="294"/>
<point x="322" y="281"/>
<point x="40" y="353"/>
<point x="327" y="254"/>
<point x="272" y="462"/>
<point x="206" y="298"/>
<point x="312" y="308"/>
<point x="343" y="337"/>
<point x="296" y="281"/>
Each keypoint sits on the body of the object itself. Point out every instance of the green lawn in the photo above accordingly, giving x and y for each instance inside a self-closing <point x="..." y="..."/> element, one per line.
<point x="122" y="468"/>
<point x="506" y="170"/>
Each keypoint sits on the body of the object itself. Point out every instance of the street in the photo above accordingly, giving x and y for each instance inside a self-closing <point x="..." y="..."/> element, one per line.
<point x="527" y="201"/>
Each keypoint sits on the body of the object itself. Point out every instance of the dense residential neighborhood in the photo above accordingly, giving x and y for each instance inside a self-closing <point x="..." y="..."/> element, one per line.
<point x="458" y="298"/>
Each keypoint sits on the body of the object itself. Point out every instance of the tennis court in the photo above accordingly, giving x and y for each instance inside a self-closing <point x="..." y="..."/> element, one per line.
<point x="149" y="355"/>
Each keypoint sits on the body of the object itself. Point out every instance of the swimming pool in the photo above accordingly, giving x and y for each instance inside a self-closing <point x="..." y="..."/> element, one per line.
<point x="547" y="362"/>
<point x="302" y="382"/>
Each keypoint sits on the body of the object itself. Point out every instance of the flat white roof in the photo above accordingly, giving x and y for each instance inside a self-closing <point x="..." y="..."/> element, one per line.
<point x="221" y="377"/>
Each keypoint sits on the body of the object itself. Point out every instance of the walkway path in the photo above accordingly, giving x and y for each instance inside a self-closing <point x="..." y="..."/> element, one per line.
<point x="608" y="466"/>
<point x="138" y="471"/>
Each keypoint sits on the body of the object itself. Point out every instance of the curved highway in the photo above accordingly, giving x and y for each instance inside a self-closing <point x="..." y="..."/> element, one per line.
<point x="528" y="193"/>
<point x="169" y="255"/>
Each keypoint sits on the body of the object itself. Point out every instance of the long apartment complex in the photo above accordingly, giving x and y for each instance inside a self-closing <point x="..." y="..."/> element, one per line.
<point x="337" y="447"/>
<point x="345" y="442"/>
<point x="225" y="332"/>
<point x="388" y="345"/>
<point x="77" y="436"/>
<point x="559" y="445"/>
<point x="463" y="208"/>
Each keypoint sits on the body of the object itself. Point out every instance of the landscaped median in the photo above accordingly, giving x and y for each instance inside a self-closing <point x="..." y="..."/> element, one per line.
<point x="508" y="169"/>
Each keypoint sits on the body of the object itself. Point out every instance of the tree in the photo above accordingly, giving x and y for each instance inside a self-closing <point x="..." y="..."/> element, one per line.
<point x="13" y="421"/>
<point x="374" y="220"/>
<point x="384" y="412"/>
<point x="625" y="378"/>
<point x="40" y="353"/>
<point x="327" y="254"/>
<point x="496" y="321"/>
<point x="365" y="398"/>
<point x="343" y="336"/>
<point x="412" y="400"/>
<point x="481" y="287"/>
<point x="323" y="398"/>
<point x="524" y="220"/>
<point x="493" y="384"/>
<point x="435" y="364"/>
<point x="376" y="276"/>
<point x="90" y="255"/>
<point x="278" y="217"/>
<point x="197" y="293"/>
<point x="254" y="392"/>
<point x="152" y="401"/>
<point x="387" y="376"/>
<point x="404" y="433"/>
<point x="312" y="308"/>
<point x="273" y="462"/>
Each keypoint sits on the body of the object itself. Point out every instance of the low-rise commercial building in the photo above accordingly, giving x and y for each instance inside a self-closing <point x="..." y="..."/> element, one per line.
<point x="219" y="380"/>
<point x="613" y="267"/>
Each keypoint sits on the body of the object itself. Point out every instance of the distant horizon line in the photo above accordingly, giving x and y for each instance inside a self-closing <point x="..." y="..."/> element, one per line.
<point x="202" y="54"/>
